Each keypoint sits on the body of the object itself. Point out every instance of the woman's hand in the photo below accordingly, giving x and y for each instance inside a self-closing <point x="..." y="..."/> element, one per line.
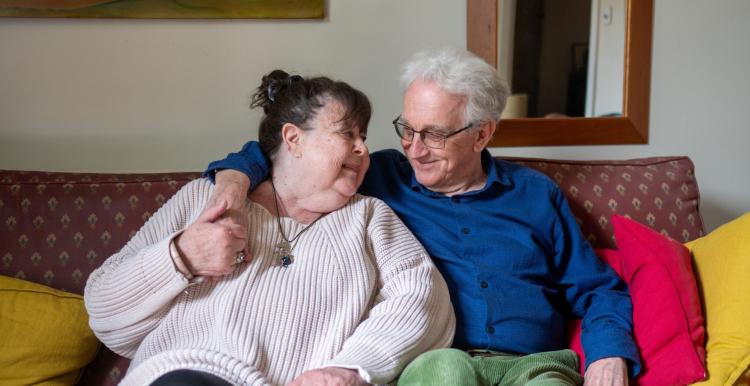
<point x="231" y="186"/>
<point x="209" y="247"/>
<point x="329" y="376"/>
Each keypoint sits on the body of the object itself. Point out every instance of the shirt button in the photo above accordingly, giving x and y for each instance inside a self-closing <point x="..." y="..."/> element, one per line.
<point x="455" y="199"/>
<point x="484" y="284"/>
<point x="465" y="231"/>
<point x="490" y="329"/>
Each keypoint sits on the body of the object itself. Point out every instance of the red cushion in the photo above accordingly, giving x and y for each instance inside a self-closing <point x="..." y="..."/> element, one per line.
<point x="667" y="314"/>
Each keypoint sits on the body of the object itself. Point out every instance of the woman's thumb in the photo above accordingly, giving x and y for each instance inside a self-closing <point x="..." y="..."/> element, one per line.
<point x="213" y="212"/>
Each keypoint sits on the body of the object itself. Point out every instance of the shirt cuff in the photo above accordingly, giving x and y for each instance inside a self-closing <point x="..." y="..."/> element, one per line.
<point x="250" y="160"/>
<point x="600" y="344"/>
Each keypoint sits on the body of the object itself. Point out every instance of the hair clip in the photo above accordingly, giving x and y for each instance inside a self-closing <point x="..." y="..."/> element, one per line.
<point x="270" y="92"/>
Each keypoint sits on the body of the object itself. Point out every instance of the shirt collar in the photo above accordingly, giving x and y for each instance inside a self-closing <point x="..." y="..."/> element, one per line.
<point x="495" y="175"/>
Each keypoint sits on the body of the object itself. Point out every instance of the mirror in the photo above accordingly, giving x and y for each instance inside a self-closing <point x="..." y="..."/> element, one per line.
<point x="562" y="58"/>
<point x="629" y="128"/>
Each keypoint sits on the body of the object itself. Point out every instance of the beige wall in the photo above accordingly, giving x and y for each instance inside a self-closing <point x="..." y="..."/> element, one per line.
<point x="140" y="95"/>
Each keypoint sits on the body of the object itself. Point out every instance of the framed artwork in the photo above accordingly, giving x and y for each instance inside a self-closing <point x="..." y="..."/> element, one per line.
<point x="165" y="9"/>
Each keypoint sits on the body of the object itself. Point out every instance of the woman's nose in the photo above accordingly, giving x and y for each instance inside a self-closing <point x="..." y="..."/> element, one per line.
<point x="360" y="147"/>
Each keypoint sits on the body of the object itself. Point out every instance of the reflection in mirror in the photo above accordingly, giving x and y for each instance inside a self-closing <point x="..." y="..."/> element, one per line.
<point x="562" y="57"/>
<point x="629" y="128"/>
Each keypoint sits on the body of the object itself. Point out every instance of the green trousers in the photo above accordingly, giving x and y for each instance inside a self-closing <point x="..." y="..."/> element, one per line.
<point x="453" y="367"/>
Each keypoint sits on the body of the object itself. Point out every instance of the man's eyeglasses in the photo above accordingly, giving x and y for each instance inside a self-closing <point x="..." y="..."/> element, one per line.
<point x="430" y="139"/>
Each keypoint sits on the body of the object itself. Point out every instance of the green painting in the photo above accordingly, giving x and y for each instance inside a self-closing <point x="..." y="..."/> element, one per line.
<point x="166" y="9"/>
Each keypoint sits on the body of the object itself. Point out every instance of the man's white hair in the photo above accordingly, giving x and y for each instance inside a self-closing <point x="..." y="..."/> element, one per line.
<point x="460" y="72"/>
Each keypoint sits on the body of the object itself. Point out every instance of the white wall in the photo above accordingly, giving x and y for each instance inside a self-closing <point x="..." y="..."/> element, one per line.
<point x="118" y="95"/>
<point x="149" y="95"/>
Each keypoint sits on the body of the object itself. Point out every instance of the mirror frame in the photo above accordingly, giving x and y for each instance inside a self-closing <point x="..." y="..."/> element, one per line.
<point x="630" y="128"/>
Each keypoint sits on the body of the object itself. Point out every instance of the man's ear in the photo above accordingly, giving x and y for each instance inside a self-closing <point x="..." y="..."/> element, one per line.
<point x="484" y="135"/>
<point x="292" y="135"/>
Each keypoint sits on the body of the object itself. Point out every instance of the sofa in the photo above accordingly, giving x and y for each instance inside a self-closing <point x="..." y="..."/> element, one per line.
<point x="58" y="227"/>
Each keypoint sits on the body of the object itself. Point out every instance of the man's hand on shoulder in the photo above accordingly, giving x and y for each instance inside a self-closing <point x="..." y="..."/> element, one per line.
<point x="329" y="376"/>
<point x="607" y="372"/>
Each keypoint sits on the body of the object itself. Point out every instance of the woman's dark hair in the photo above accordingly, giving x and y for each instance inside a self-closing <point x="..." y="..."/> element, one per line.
<point x="294" y="99"/>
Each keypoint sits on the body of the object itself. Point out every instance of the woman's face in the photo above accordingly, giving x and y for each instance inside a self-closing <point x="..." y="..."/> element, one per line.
<point x="333" y="156"/>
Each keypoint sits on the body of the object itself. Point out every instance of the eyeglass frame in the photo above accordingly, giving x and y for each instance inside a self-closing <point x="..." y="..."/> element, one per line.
<point x="423" y="133"/>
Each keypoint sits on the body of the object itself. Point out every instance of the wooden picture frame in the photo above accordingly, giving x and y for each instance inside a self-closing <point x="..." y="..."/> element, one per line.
<point x="165" y="9"/>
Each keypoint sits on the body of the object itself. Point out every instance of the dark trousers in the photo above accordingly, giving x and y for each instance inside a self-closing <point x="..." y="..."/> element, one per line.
<point x="189" y="378"/>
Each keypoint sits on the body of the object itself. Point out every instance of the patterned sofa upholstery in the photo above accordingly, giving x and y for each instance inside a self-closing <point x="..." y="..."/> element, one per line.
<point x="58" y="227"/>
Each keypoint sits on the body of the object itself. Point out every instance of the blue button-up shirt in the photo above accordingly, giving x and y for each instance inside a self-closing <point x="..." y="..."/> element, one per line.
<point x="516" y="263"/>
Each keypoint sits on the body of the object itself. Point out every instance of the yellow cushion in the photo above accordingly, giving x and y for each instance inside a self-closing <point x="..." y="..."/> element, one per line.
<point x="722" y="260"/>
<point x="45" y="338"/>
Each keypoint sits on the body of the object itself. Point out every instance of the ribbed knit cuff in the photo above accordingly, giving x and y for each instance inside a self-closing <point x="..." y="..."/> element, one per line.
<point x="372" y="364"/>
<point x="152" y="274"/>
<point x="177" y="258"/>
<point x="156" y="266"/>
<point x="159" y="275"/>
<point x="360" y="371"/>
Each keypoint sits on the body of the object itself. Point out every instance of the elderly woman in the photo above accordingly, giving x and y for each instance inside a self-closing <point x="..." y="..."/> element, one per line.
<point x="335" y="289"/>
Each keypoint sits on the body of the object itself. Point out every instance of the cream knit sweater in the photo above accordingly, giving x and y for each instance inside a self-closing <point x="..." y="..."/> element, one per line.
<point x="361" y="293"/>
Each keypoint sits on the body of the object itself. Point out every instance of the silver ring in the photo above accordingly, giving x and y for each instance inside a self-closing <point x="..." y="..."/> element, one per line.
<point x="239" y="258"/>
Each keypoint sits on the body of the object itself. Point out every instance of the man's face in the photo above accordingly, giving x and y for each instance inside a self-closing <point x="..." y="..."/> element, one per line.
<point x="428" y="107"/>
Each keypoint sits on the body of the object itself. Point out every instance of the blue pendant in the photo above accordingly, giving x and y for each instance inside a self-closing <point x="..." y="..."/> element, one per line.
<point x="283" y="253"/>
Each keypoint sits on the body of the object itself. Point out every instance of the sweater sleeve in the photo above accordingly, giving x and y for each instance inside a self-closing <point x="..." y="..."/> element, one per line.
<point x="595" y="292"/>
<point x="129" y="294"/>
<point x="411" y="313"/>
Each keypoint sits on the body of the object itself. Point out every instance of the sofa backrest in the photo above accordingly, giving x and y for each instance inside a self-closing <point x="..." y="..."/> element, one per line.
<point x="58" y="227"/>
<point x="661" y="192"/>
<point x="55" y="228"/>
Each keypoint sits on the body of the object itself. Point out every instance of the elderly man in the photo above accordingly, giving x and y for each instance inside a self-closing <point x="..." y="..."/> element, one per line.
<point x="502" y="235"/>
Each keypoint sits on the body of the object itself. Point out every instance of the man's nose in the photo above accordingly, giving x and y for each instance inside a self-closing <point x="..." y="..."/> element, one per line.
<point x="417" y="144"/>
<point x="418" y="141"/>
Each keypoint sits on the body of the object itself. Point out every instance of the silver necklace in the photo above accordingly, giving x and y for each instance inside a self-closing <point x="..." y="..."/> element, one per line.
<point x="283" y="250"/>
